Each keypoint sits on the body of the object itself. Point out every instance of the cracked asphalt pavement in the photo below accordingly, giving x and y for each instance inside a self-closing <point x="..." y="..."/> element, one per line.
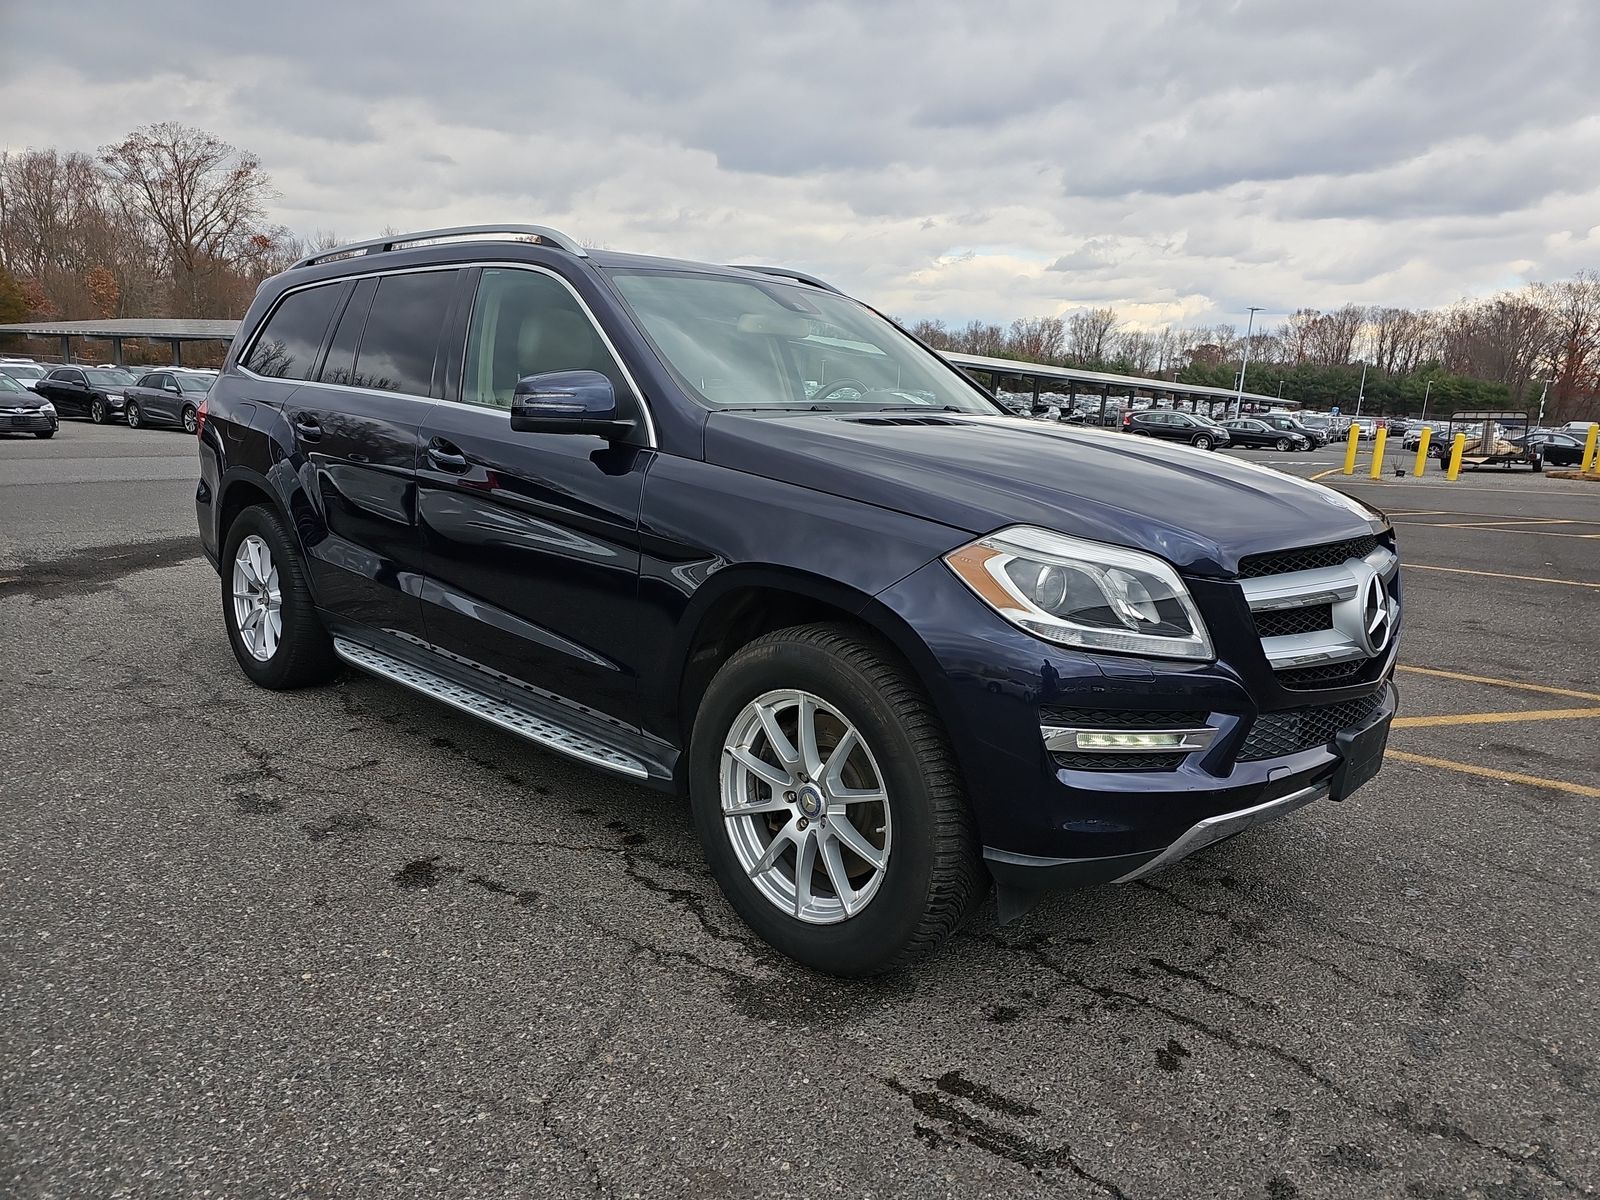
<point x="346" y="942"/>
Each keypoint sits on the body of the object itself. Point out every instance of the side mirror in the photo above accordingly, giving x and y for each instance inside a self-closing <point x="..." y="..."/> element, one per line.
<point x="174" y="389"/>
<point x="568" y="402"/>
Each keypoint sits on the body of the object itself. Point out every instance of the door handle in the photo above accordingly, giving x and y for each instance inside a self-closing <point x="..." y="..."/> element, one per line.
<point x="307" y="426"/>
<point x="447" y="456"/>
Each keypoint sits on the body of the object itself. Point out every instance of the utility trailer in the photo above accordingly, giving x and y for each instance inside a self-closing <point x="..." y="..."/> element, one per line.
<point x="1495" y="438"/>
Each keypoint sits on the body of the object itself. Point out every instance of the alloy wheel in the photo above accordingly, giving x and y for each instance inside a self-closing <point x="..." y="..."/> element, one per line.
<point x="97" y="411"/>
<point x="190" y="423"/>
<point x="134" y="416"/>
<point x="805" y="806"/>
<point x="257" y="600"/>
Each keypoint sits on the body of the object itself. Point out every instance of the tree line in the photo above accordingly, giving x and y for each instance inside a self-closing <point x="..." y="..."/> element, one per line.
<point x="1508" y="350"/>
<point x="173" y="221"/>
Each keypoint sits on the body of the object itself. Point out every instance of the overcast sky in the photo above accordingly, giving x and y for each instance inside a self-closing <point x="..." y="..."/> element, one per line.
<point x="1178" y="160"/>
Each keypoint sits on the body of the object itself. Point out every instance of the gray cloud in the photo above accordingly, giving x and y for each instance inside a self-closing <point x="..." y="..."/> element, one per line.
<point x="1179" y="160"/>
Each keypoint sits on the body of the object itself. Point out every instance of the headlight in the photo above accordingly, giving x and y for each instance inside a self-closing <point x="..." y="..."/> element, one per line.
<point x="48" y="408"/>
<point x="1080" y="593"/>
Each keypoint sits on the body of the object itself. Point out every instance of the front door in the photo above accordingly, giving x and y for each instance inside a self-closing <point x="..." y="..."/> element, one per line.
<point x="68" y="390"/>
<point x="532" y="538"/>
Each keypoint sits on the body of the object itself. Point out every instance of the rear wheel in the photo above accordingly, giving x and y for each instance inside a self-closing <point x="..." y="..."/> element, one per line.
<point x="1202" y="442"/>
<point x="828" y="802"/>
<point x="267" y="607"/>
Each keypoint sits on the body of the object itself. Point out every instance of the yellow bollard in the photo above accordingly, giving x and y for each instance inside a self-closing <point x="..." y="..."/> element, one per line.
<point x="1422" y="450"/>
<point x="1591" y="450"/>
<point x="1378" y="442"/>
<point x="1350" y="453"/>
<point x="1457" y="448"/>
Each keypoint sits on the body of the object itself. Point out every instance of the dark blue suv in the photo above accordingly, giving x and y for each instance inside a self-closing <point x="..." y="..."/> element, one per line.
<point x="726" y="531"/>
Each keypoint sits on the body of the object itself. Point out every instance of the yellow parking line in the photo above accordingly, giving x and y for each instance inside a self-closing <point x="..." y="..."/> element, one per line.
<point x="1510" y="683"/>
<point x="1555" y="785"/>
<point x="1495" y="718"/>
<point x="1411" y="566"/>
<point x="1324" y="474"/>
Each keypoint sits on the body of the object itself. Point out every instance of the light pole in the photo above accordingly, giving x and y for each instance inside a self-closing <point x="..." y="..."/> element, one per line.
<point x="1361" y="393"/>
<point x="1542" y="394"/>
<point x="1423" y="420"/>
<point x="1280" y="389"/>
<point x="1238" y="392"/>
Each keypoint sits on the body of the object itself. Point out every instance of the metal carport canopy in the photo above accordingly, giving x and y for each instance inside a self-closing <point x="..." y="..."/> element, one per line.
<point x="1100" y="379"/>
<point x="160" y="329"/>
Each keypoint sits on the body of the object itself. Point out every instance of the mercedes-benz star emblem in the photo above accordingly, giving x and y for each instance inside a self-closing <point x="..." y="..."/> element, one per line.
<point x="1376" y="621"/>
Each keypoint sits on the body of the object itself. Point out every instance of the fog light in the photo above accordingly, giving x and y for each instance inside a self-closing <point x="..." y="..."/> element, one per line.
<point x="1113" y="741"/>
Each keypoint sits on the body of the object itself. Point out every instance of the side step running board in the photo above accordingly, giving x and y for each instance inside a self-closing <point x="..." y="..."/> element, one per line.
<point x="520" y="721"/>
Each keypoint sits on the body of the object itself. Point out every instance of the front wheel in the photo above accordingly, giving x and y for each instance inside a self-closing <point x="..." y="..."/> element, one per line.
<point x="97" y="411"/>
<point x="45" y="433"/>
<point x="828" y="802"/>
<point x="1202" y="442"/>
<point x="1285" y="445"/>
<point x="191" y="422"/>
<point x="267" y="607"/>
<point x="135" y="417"/>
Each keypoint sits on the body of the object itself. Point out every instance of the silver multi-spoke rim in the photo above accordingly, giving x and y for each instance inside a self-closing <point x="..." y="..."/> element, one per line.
<point x="805" y="806"/>
<point x="189" y="421"/>
<point x="257" y="602"/>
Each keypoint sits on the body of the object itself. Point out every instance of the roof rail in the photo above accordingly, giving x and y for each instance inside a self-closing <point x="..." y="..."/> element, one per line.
<point x="787" y="273"/>
<point x="546" y="235"/>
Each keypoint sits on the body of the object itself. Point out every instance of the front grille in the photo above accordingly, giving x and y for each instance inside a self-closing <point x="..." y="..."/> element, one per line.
<point x="1118" y="762"/>
<point x="1325" y="675"/>
<point x="1105" y="718"/>
<point x="1294" y="729"/>
<point x="1282" y="621"/>
<point x="1307" y="558"/>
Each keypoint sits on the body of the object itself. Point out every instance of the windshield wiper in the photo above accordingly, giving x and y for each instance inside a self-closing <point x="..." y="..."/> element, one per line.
<point x="917" y="408"/>
<point x="774" y="408"/>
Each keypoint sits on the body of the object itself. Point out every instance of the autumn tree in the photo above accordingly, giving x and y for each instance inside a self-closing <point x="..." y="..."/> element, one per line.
<point x="203" y="198"/>
<point x="103" y="291"/>
<point x="13" y="300"/>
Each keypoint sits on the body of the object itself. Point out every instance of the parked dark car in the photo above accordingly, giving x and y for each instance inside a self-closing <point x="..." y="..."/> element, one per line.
<point x="24" y="411"/>
<point x="91" y="392"/>
<point x="1176" y="427"/>
<point x="170" y="397"/>
<point x="1257" y="434"/>
<point x="724" y="530"/>
<point x="1554" y="448"/>
<point x="1290" y="423"/>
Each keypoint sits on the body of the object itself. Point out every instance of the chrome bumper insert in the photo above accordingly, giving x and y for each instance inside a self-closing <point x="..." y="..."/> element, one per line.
<point x="1213" y="829"/>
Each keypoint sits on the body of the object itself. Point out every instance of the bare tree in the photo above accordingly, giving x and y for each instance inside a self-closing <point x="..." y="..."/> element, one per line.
<point x="980" y="337"/>
<point x="933" y="333"/>
<point x="1037" y="339"/>
<point x="1574" y="311"/>
<point x="1089" y="334"/>
<point x="203" y="198"/>
<point x="1331" y="337"/>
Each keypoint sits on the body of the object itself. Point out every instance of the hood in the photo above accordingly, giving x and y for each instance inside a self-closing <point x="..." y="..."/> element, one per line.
<point x="1199" y="510"/>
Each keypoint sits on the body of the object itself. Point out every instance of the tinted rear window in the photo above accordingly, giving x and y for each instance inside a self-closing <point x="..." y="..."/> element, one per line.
<point x="288" y="345"/>
<point x="402" y="332"/>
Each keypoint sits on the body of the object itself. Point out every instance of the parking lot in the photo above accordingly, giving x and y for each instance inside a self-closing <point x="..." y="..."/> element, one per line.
<point x="346" y="942"/>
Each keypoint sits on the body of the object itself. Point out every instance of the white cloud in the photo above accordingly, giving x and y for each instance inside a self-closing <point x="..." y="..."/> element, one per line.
<point x="1177" y="160"/>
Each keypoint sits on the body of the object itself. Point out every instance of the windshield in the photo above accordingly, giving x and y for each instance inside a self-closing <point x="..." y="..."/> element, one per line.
<point x="8" y="384"/>
<point x="21" y="371"/>
<point x="193" y="383"/>
<point x="106" y="377"/>
<point x="737" y="343"/>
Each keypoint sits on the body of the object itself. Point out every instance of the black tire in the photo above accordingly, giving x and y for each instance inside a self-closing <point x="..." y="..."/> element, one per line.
<point x="1285" y="445"/>
<point x="97" y="411"/>
<point x="304" y="656"/>
<point x="191" y="419"/>
<point x="45" y="433"/>
<point x="1202" y="442"/>
<point x="134" y="417"/>
<point x="933" y="875"/>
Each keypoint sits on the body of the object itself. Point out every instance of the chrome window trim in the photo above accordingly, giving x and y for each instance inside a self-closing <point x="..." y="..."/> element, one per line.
<point x="622" y="364"/>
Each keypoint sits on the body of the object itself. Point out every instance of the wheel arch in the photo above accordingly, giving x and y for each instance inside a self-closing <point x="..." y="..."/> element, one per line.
<point x="739" y="604"/>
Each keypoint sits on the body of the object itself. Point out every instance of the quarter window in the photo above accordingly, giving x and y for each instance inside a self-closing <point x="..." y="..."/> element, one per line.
<point x="288" y="344"/>
<point x="402" y="332"/>
<point x="527" y="323"/>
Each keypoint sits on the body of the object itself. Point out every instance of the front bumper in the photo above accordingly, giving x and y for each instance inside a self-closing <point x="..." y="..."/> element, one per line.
<point x="1047" y="824"/>
<point x="28" y="422"/>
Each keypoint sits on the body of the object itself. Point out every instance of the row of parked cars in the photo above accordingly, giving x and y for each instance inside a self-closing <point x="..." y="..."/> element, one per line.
<point x="35" y="397"/>
<point x="1265" y="431"/>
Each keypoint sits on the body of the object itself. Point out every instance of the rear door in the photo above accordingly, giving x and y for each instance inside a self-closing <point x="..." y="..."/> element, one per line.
<point x="532" y="538"/>
<point x="356" y="425"/>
